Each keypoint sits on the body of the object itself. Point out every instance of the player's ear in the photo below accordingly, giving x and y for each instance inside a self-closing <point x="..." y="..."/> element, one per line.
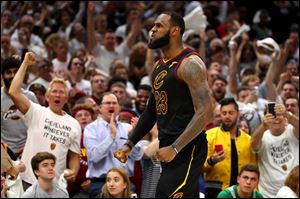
<point x="175" y="30"/>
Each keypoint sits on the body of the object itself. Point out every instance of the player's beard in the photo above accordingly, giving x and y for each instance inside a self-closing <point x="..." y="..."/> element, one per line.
<point x="160" y="42"/>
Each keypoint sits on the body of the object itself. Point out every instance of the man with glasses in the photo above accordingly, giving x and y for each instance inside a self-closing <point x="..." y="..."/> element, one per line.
<point x="101" y="138"/>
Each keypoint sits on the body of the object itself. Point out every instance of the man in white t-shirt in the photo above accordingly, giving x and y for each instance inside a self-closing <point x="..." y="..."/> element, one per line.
<point x="49" y="128"/>
<point x="276" y="142"/>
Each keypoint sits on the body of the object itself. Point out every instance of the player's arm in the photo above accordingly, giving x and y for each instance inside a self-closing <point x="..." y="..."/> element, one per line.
<point x="144" y="125"/>
<point x="19" y="99"/>
<point x="193" y="71"/>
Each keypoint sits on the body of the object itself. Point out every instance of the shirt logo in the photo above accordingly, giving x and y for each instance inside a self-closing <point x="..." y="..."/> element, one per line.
<point x="158" y="82"/>
<point x="11" y="113"/>
<point x="173" y="63"/>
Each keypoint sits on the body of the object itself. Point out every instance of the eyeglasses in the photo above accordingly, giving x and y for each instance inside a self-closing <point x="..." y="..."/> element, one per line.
<point x="109" y="103"/>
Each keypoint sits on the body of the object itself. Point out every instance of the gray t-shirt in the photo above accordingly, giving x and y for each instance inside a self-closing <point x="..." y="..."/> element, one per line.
<point x="35" y="191"/>
<point x="13" y="129"/>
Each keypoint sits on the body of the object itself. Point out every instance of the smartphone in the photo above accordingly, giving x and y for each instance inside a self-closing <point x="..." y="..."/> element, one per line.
<point x="218" y="147"/>
<point x="271" y="108"/>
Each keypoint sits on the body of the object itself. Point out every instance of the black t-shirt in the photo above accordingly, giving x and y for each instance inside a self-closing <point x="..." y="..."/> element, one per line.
<point x="234" y="164"/>
<point x="174" y="105"/>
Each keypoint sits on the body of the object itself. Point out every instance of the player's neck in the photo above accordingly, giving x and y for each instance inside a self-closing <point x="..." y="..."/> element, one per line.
<point x="172" y="51"/>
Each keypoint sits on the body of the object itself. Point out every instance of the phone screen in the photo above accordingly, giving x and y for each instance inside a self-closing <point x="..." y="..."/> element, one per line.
<point x="271" y="108"/>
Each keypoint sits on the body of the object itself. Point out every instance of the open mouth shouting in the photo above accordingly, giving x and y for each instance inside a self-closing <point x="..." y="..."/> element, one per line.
<point x="57" y="102"/>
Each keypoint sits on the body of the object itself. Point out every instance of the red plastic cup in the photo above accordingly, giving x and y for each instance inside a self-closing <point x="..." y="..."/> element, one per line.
<point x="218" y="147"/>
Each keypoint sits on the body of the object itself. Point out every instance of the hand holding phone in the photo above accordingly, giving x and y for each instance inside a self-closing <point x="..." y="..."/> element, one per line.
<point x="218" y="148"/>
<point x="271" y="108"/>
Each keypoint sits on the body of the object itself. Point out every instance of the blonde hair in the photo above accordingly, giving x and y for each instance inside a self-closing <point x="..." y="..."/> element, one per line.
<point x="59" y="81"/>
<point x="50" y="42"/>
<point x="292" y="179"/>
<point x="248" y="79"/>
<point x="124" y="175"/>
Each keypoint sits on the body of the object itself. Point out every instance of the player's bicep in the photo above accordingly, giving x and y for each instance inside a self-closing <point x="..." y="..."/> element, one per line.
<point x="193" y="72"/>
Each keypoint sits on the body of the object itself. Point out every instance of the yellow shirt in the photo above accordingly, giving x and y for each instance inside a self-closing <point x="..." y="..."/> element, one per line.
<point x="220" y="172"/>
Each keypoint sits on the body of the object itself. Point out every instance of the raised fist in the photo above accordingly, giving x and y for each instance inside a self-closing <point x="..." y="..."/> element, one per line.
<point x="30" y="58"/>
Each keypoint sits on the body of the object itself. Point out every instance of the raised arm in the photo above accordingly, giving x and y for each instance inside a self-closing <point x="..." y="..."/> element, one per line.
<point x="91" y="41"/>
<point x="202" y="49"/>
<point x="256" y="137"/>
<point x="275" y="69"/>
<point x="233" y="68"/>
<point x="193" y="71"/>
<point x="136" y="27"/>
<point x="20" y="100"/>
<point x="291" y="118"/>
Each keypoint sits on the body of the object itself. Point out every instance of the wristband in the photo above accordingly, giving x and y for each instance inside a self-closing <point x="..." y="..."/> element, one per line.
<point x="173" y="146"/>
<point x="129" y="144"/>
<point x="210" y="161"/>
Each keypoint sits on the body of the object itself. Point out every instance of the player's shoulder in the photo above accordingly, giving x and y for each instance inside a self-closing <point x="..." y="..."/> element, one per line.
<point x="192" y="56"/>
<point x="193" y="60"/>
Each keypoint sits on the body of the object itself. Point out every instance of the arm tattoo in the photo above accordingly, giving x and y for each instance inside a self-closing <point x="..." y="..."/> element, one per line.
<point x="193" y="72"/>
